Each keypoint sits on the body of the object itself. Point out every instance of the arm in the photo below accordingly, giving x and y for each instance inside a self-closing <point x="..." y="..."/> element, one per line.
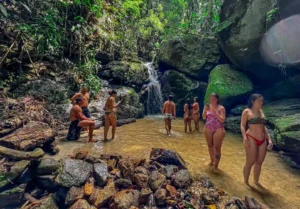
<point x="185" y="108"/>
<point x="221" y="117"/>
<point x="174" y="111"/>
<point x="204" y="113"/>
<point x="163" y="109"/>
<point x="270" y="146"/>
<point x="75" y="97"/>
<point x="118" y="104"/>
<point x="80" y="115"/>
<point x="198" y="109"/>
<point x="243" y="126"/>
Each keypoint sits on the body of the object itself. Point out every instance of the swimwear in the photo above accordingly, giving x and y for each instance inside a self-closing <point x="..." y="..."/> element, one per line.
<point x="86" y="112"/>
<point x="107" y="113"/>
<point x="168" y="116"/>
<point x="212" y="123"/>
<point x="257" y="120"/>
<point x="257" y="141"/>
<point x="74" y="131"/>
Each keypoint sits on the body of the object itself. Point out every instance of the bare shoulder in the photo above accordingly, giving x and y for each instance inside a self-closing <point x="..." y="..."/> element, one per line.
<point x="262" y="113"/>
<point x="221" y="108"/>
<point x="246" y="111"/>
<point x="76" y="108"/>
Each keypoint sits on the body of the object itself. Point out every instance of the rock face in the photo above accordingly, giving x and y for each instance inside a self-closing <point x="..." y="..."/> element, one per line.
<point x="192" y="55"/>
<point x="243" y="25"/>
<point x="101" y="173"/>
<point x="182" y="87"/>
<point x="47" y="166"/>
<point x="232" y="86"/>
<point x="233" y="124"/>
<point x="125" y="73"/>
<point x="74" y="173"/>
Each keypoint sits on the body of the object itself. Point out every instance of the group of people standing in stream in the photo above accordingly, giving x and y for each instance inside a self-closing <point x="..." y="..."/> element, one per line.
<point x="256" y="138"/>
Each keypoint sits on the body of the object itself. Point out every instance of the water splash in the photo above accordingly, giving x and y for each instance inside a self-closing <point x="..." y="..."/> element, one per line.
<point x="155" y="99"/>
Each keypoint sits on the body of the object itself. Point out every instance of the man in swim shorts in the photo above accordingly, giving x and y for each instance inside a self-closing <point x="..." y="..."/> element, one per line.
<point x="78" y="120"/>
<point x="169" y="113"/>
<point x="110" y="114"/>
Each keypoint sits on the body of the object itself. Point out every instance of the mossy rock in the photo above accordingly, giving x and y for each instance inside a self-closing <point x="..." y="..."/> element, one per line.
<point x="193" y="55"/>
<point x="125" y="73"/>
<point x="232" y="86"/>
<point x="288" y="141"/>
<point x="13" y="197"/>
<point x="288" y="123"/>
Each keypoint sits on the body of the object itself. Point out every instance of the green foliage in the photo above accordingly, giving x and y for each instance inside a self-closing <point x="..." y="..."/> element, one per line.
<point x="271" y="14"/>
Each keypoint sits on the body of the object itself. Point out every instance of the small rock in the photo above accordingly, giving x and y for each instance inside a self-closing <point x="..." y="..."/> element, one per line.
<point x="105" y="194"/>
<point x="93" y="158"/>
<point x="12" y="198"/>
<point x="47" y="182"/>
<point x="160" y="197"/>
<point x="171" y="170"/>
<point x="93" y="197"/>
<point x="101" y="173"/>
<point x="60" y="195"/>
<point x="156" y="179"/>
<point x="49" y="203"/>
<point x="75" y="193"/>
<point x="182" y="179"/>
<point x="123" y="183"/>
<point x="236" y="203"/>
<point x="172" y="191"/>
<point x="141" y="180"/>
<point x="80" y="204"/>
<point x="122" y="200"/>
<point x="126" y="167"/>
<point x="89" y="187"/>
<point x="210" y="197"/>
<point x="111" y="164"/>
<point x="144" y="196"/>
<point x="141" y="169"/>
<point x="74" y="173"/>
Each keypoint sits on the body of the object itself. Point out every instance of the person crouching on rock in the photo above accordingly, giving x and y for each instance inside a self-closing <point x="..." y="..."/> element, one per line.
<point x="85" y="95"/>
<point x="110" y="114"/>
<point x="187" y="117"/>
<point x="214" y="114"/>
<point x="169" y="113"/>
<point x="78" y="120"/>
<point x="256" y="139"/>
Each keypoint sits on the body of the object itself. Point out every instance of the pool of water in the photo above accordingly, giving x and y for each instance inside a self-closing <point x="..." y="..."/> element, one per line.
<point x="281" y="183"/>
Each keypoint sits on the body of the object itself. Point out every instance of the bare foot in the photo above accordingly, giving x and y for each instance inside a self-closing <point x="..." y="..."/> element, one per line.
<point x="93" y="140"/>
<point x="247" y="183"/>
<point x="259" y="185"/>
<point x="210" y="164"/>
<point x="216" y="170"/>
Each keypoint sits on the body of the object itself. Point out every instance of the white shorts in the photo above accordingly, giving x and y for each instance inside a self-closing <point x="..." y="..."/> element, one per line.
<point x="168" y="116"/>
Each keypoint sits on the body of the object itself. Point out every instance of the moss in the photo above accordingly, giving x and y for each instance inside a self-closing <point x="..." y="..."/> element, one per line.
<point x="288" y="123"/>
<point x="3" y="181"/>
<point x="15" y="190"/>
<point x="232" y="86"/>
<point x="288" y="141"/>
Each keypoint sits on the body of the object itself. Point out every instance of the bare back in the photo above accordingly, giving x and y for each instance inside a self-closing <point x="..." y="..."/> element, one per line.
<point x="109" y="105"/>
<point x="169" y="108"/>
<point x="75" y="113"/>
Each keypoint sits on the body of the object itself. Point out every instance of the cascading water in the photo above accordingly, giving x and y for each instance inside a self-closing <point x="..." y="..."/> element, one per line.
<point x="155" y="99"/>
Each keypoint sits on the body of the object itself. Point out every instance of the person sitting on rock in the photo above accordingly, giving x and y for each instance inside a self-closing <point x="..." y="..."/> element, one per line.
<point x="85" y="95"/>
<point x="78" y="120"/>
<point x="110" y="114"/>
<point x="169" y="112"/>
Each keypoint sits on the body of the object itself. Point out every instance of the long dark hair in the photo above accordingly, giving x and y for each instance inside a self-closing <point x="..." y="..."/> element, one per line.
<point x="188" y="102"/>
<point x="216" y="96"/>
<point x="196" y="99"/>
<point x="252" y="99"/>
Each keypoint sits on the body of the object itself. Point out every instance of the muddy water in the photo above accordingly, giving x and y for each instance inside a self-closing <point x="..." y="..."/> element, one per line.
<point x="281" y="184"/>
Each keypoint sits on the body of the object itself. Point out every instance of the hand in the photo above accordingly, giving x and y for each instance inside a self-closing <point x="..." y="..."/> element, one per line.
<point x="270" y="145"/>
<point x="246" y="142"/>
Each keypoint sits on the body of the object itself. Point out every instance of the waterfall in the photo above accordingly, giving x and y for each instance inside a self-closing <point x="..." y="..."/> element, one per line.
<point x="155" y="99"/>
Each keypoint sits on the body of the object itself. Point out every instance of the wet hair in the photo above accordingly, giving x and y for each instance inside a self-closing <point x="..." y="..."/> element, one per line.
<point x="170" y="97"/>
<point x="196" y="99"/>
<point x="216" y="96"/>
<point x="252" y="99"/>
<point x="188" y="102"/>
<point x="79" y="99"/>
<point x="113" y="91"/>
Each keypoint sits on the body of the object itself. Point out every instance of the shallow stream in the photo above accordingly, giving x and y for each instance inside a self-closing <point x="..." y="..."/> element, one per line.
<point x="281" y="183"/>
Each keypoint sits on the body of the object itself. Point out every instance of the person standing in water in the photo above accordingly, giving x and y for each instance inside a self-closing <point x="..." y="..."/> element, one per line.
<point x="256" y="139"/>
<point x="78" y="120"/>
<point x="169" y="113"/>
<point x="195" y="113"/>
<point x="215" y="115"/>
<point x="110" y="114"/>
<point x="187" y="117"/>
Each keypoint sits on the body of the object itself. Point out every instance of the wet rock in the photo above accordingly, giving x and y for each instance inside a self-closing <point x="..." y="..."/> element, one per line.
<point x="74" y="194"/>
<point x="105" y="194"/>
<point x="172" y="191"/>
<point x="126" y="167"/>
<point x="160" y="197"/>
<point x="232" y="86"/>
<point x="236" y="203"/>
<point x="253" y="203"/>
<point x="89" y="186"/>
<point x="182" y="179"/>
<point x="210" y="197"/>
<point x="80" y="204"/>
<point x="123" y="183"/>
<point x="74" y="173"/>
<point x="49" y="203"/>
<point x="238" y="110"/>
<point x="93" y="157"/>
<point x="101" y="173"/>
<point x="144" y="196"/>
<point x="166" y="157"/>
<point x="233" y="124"/>
<point x="156" y="179"/>
<point x="47" y="182"/>
<point x="141" y="180"/>
<point x="122" y="200"/>
<point x="47" y="166"/>
<point x="171" y="170"/>
<point x="12" y="198"/>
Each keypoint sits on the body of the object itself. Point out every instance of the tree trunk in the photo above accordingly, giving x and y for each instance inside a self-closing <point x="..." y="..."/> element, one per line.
<point x="21" y="155"/>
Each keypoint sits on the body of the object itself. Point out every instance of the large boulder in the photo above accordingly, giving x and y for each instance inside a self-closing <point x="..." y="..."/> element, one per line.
<point x="13" y="198"/>
<point x="233" y="124"/>
<point x="232" y="86"/>
<point x="74" y="173"/>
<point x="243" y="25"/>
<point x="182" y="88"/>
<point x="101" y="173"/>
<point x="125" y="73"/>
<point x="167" y="157"/>
<point x="191" y="54"/>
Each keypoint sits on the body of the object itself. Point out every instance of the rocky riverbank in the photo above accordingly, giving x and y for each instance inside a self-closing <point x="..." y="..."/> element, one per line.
<point x="87" y="181"/>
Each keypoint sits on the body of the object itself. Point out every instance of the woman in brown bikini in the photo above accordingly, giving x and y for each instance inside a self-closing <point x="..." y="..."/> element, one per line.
<point x="256" y="139"/>
<point x="187" y="117"/>
<point x="195" y="113"/>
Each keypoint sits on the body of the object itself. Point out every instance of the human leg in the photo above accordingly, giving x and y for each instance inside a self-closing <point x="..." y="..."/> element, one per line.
<point x="262" y="150"/>
<point x="106" y="127"/>
<point x="90" y="124"/>
<point x="251" y="156"/>
<point x="113" y="120"/>
<point x="167" y="126"/>
<point x="210" y="145"/>
<point x="185" y="120"/>
<point x="170" y="125"/>
<point x="218" y="138"/>
<point x="190" y="124"/>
